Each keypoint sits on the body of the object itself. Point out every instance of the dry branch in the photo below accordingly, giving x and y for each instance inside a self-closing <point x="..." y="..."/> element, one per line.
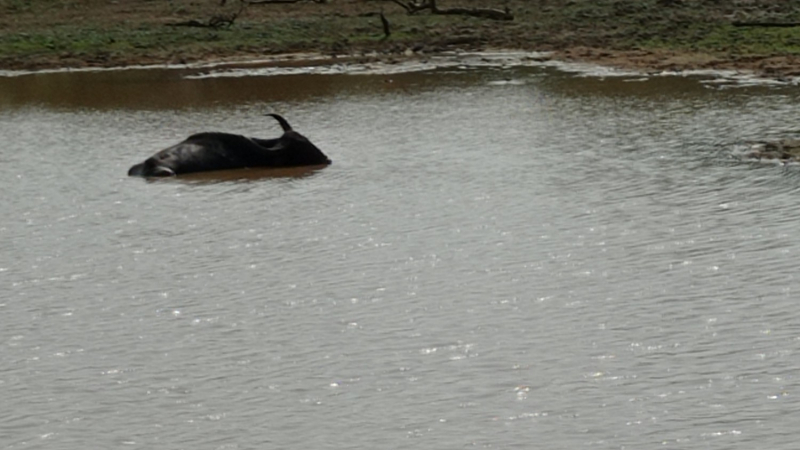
<point x="278" y="2"/>
<point x="214" y="22"/>
<point x="413" y="7"/>
<point x="385" y="22"/>
<point x="767" y="24"/>
<point x="483" y="13"/>
<point x="218" y="21"/>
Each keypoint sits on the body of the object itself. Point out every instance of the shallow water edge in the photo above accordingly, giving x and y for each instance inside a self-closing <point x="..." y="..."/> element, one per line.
<point x="380" y="64"/>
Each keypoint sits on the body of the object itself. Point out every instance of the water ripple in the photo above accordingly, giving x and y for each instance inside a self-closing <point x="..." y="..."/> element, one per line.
<point x="566" y="260"/>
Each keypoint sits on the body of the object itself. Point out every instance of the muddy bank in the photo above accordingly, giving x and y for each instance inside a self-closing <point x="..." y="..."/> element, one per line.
<point x="648" y="35"/>
<point x="780" y="67"/>
<point x="376" y="63"/>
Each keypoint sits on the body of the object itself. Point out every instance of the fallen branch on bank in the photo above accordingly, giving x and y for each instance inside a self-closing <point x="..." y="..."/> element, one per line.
<point x="216" y="22"/>
<point x="413" y="7"/>
<point x="385" y="22"/>
<point x="227" y="20"/>
<point x="767" y="24"/>
<point x="278" y="2"/>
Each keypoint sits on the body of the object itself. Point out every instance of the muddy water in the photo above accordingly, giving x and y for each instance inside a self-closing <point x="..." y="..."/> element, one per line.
<point x="496" y="258"/>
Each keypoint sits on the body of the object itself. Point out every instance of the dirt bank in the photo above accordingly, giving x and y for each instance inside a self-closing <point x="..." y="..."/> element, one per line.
<point x="647" y="34"/>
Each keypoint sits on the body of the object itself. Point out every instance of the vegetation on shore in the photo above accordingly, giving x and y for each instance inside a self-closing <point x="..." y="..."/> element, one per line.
<point x="656" y="34"/>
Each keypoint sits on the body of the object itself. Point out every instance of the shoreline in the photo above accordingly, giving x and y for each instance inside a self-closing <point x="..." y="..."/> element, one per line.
<point x="651" y="36"/>
<point x="783" y="70"/>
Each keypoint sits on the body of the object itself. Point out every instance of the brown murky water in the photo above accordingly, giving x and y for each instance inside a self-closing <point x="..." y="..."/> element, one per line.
<point x="497" y="258"/>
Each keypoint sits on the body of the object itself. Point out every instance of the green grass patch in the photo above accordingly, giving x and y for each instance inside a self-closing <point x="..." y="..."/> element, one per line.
<point x="703" y="37"/>
<point x="272" y="36"/>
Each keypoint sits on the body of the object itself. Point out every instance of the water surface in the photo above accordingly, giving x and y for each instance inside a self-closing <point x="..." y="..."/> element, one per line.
<point x="496" y="258"/>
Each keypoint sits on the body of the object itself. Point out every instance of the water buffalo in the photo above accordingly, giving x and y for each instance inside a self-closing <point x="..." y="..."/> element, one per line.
<point x="220" y="151"/>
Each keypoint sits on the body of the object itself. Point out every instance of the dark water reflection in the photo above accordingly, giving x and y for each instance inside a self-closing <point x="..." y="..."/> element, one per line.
<point x="242" y="176"/>
<point x="163" y="89"/>
<point x="495" y="258"/>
